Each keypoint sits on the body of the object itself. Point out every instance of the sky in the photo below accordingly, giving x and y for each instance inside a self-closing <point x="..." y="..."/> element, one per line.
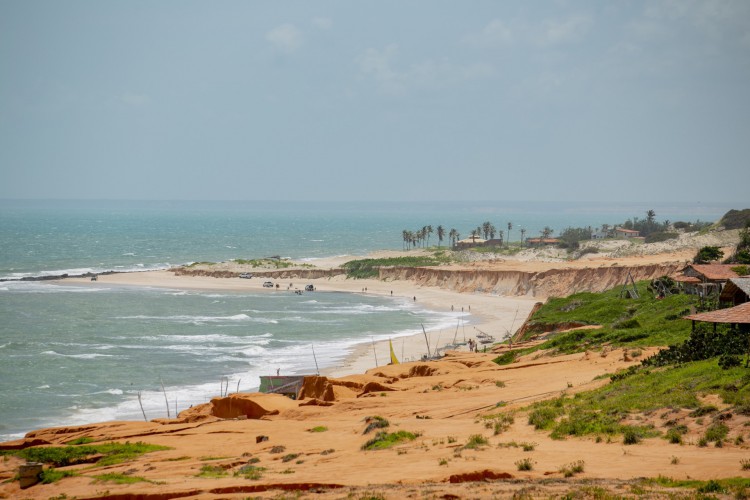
<point x="375" y="101"/>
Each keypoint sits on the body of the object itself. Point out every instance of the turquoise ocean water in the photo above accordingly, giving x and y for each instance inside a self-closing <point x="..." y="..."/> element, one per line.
<point x="77" y="354"/>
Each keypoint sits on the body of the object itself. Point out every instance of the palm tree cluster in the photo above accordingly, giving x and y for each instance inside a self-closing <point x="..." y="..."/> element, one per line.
<point x="421" y="237"/>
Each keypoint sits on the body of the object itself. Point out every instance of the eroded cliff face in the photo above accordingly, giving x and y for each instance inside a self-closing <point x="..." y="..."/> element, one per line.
<point x="278" y="274"/>
<point x="551" y="283"/>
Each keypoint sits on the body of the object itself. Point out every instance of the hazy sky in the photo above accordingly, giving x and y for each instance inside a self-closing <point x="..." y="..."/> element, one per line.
<point x="385" y="100"/>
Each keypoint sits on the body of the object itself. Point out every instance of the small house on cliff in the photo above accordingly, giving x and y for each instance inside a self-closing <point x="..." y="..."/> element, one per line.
<point x="469" y="243"/>
<point x="736" y="291"/>
<point x="701" y="279"/>
<point x="621" y="232"/>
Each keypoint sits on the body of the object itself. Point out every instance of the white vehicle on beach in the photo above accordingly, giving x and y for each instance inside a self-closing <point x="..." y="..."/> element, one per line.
<point x="267" y="284"/>
<point x="246" y="275"/>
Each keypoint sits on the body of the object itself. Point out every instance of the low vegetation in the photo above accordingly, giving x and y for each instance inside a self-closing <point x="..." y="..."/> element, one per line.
<point x="383" y="440"/>
<point x="646" y="321"/>
<point x="212" y="471"/>
<point x="368" y="268"/>
<point x="700" y="361"/>
<point x="61" y="456"/>
<point x="118" y="478"/>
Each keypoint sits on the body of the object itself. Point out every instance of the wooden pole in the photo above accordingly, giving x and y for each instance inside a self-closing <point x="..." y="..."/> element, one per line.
<point x="165" y="396"/>
<point x="141" y="403"/>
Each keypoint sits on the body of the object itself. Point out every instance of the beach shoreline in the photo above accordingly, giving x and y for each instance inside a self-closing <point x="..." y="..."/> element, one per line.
<point x="495" y="315"/>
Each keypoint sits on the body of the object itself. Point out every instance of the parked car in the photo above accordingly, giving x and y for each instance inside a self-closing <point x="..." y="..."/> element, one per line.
<point x="246" y="275"/>
<point x="267" y="284"/>
<point x="309" y="288"/>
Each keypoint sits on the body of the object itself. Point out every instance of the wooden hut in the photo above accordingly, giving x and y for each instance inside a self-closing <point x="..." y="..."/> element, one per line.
<point x="738" y="316"/>
<point x="736" y="291"/>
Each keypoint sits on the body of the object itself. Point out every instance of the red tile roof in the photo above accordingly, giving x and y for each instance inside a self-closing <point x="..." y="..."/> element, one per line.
<point x="715" y="271"/>
<point x="736" y="314"/>
<point x="687" y="279"/>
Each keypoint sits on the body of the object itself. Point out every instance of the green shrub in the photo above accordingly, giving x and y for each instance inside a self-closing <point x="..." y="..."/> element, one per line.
<point x="476" y="441"/>
<point x="250" y="472"/>
<point x="505" y="358"/>
<point x="525" y="464"/>
<point x="716" y="432"/>
<point x="383" y="440"/>
<point x="631" y="436"/>
<point x="212" y="471"/>
<point x="544" y="417"/>
<point x="375" y="422"/>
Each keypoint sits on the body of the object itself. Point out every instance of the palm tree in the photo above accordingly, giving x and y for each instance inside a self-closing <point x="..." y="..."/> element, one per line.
<point x="546" y="232"/>
<point x="523" y="233"/>
<point x="440" y="234"/>
<point x="405" y="236"/>
<point x="453" y="236"/>
<point x="510" y="226"/>
<point x="428" y="231"/>
<point x="474" y="233"/>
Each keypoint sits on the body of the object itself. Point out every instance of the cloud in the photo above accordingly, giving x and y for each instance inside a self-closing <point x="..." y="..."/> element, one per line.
<point x="377" y="64"/>
<point x="560" y="31"/>
<point x="715" y="19"/>
<point x="322" y="23"/>
<point x="380" y="66"/>
<point x="496" y="34"/>
<point x="286" y="37"/>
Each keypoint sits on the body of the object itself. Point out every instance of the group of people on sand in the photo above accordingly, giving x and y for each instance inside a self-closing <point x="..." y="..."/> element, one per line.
<point x="472" y="345"/>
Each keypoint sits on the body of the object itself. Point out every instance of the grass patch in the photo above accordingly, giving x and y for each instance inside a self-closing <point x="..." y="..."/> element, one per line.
<point x="212" y="471"/>
<point x="641" y="322"/>
<point x="476" y="441"/>
<point x="722" y="486"/>
<point x="383" y="440"/>
<point x="368" y="268"/>
<point x="252" y="472"/>
<point x="499" y="422"/>
<point x="602" y="411"/>
<point x="572" y="469"/>
<point x="61" y="456"/>
<point x="53" y="475"/>
<point x="80" y="440"/>
<point x="320" y="428"/>
<point x="289" y="457"/>
<point x="118" y="478"/>
<point x="505" y="358"/>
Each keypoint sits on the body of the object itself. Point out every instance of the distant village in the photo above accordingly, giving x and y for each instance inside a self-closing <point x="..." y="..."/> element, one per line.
<point x="487" y="234"/>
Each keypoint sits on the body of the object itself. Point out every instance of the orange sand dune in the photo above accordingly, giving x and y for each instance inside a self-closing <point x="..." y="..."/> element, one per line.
<point x="318" y="447"/>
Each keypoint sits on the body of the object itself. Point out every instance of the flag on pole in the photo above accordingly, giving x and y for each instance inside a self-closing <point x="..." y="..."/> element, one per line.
<point x="394" y="359"/>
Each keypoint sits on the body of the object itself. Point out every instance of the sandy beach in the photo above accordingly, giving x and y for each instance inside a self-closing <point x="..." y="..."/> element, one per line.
<point x="312" y="447"/>
<point x="494" y="315"/>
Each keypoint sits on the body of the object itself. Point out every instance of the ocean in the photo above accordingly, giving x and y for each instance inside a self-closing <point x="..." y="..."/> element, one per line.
<point x="78" y="354"/>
